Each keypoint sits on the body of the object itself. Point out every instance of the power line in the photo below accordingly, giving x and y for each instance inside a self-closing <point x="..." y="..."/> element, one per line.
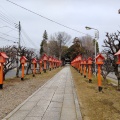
<point x="45" y="17"/>
<point x="23" y="40"/>
<point x="10" y="28"/>
<point x="6" y="21"/>
<point x="28" y="38"/>
<point x="4" y="17"/>
<point x="8" y="40"/>
<point x="9" y="31"/>
<point x="8" y="35"/>
<point x="12" y="17"/>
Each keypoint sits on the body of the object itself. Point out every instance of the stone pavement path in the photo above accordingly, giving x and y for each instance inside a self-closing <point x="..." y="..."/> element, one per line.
<point x="55" y="100"/>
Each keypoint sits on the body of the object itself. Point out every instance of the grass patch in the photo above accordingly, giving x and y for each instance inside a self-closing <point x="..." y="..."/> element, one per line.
<point x="96" y="105"/>
<point x="41" y="77"/>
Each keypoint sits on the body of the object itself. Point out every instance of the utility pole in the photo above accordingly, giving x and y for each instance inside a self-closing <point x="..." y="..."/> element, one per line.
<point x="17" y="62"/>
<point x="119" y="11"/>
<point x="19" y="34"/>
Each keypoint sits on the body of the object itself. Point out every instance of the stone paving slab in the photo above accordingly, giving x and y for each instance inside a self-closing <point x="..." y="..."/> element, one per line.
<point x="55" y="100"/>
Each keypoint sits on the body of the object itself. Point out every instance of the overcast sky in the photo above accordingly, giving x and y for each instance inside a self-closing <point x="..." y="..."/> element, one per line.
<point x="99" y="14"/>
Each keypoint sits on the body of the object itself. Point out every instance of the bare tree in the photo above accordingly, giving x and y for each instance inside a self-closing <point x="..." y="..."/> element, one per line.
<point x="14" y="56"/>
<point x="59" y="39"/>
<point x="106" y="67"/>
<point x="21" y="51"/>
<point x="88" y="45"/>
<point x="111" y="46"/>
<point x="11" y="61"/>
<point x="29" y="55"/>
<point x="53" y="48"/>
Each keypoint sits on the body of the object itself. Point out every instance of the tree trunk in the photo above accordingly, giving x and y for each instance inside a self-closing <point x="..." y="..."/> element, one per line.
<point x="118" y="83"/>
<point x="118" y="75"/>
<point x="18" y="69"/>
<point x="3" y="76"/>
<point x="105" y="80"/>
<point x="28" y="67"/>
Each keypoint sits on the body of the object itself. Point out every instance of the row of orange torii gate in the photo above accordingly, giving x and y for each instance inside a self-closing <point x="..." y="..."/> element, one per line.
<point x="53" y="63"/>
<point x="81" y="65"/>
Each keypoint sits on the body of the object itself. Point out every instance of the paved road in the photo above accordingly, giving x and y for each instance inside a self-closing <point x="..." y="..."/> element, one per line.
<point x="12" y="73"/>
<point x="55" y="100"/>
<point x="112" y="75"/>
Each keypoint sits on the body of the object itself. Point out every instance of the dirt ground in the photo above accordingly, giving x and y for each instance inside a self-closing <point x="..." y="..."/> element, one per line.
<point x="16" y="91"/>
<point x="96" y="105"/>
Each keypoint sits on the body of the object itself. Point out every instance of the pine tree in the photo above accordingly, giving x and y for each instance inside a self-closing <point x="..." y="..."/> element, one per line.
<point x="45" y="36"/>
<point x="41" y="48"/>
<point x="43" y="45"/>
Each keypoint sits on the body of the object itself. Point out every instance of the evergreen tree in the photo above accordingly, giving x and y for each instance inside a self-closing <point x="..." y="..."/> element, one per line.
<point x="41" y="48"/>
<point x="45" y="36"/>
<point x="43" y="45"/>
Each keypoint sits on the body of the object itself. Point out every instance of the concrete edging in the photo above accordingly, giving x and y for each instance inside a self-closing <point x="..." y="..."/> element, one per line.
<point x="78" y="111"/>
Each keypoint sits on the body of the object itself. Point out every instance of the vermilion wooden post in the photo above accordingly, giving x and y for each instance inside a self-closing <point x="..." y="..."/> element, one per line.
<point x="99" y="77"/>
<point x="118" y="62"/>
<point x="45" y="58"/>
<point x="75" y="63"/>
<point x="89" y="69"/>
<point x="34" y="62"/>
<point x="72" y="63"/>
<point x="40" y="64"/>
<point x="23" y="61"/>
<point x="118" y="54"/>
<point x="50" y="63"/>
<point x="84" y="62"/>
<point x="81" y="67"/>
<point x="45" y="66"/>
<point x="22" y="77"/>
<point x="58" y="63"/>
<point x="99" y="61"/>
<point x="55" y="63"/>
<point x="1" y="75"/>
<point x="3" y="58"/>
<point x="33" y="69"/>
<point x="79" y="63"/>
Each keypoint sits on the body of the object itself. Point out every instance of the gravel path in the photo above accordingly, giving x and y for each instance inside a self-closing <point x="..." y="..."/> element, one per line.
<point x="16" y="91"/>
